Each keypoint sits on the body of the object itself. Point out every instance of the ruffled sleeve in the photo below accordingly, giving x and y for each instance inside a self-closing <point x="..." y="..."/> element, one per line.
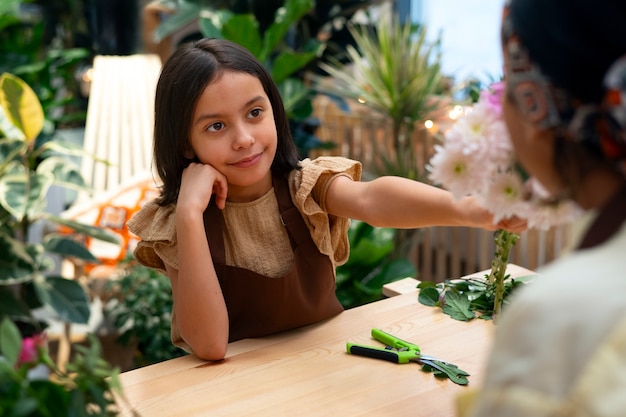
<point x="308" y="190"/>
<point x="155" y="225"/>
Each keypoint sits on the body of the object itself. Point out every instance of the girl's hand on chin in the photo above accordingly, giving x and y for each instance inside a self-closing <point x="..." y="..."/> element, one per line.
<point x="199" y="182"/>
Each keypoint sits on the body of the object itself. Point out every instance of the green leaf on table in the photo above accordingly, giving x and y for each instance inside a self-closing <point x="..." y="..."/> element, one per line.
<point x="426" y="284"/>
<point x="457" y="306"/>
<point x="429" y="296"/>
<point x="446" y="370"/>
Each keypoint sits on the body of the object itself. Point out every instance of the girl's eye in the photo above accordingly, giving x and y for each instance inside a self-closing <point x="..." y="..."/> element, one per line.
<point x="254" y="113"/>
<point x="215" y="127"/>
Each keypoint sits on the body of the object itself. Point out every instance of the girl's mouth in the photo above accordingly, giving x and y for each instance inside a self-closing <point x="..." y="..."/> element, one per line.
<point x="249" y="161"/>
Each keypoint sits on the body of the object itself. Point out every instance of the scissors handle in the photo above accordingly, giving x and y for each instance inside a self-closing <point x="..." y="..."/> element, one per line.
<point x="393" y="341"/>
<point x="382" y="353"/>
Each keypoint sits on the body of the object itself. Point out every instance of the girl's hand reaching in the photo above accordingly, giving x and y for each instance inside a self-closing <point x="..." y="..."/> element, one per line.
<point x="513" y="224"/>
<point x="483" y="218"/>
<point x="199" y="182"/>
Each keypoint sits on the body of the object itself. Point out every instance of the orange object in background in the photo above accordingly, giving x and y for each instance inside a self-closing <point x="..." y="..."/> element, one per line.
<point x="111" y="211"/>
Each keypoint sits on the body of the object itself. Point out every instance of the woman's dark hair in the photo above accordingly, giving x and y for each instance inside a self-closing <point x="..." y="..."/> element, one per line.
<point x="183" y="78"/>
<point x="574" y="43"/>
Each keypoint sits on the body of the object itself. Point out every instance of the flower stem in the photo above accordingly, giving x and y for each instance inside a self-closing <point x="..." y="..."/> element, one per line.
<point x="504" y="243"/>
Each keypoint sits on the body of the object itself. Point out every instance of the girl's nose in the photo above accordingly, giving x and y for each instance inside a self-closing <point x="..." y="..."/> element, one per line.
<point x="243" y="138"/>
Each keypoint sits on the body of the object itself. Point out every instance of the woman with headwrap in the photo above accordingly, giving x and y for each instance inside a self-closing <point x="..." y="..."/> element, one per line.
<point x="560" y="348"/>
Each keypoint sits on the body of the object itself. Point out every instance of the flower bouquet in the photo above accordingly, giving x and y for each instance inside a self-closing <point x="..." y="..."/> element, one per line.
<point x="477" y="158"/>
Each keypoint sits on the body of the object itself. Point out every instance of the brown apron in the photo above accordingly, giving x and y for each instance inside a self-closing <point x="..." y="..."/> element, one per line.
<point x="259" y="305"/>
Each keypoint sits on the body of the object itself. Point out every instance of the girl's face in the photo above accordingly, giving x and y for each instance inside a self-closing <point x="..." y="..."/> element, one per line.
<point x="233" y="130"/>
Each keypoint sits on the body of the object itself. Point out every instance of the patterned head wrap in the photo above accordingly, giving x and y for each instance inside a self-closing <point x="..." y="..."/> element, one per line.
<point x="599" y="126"/>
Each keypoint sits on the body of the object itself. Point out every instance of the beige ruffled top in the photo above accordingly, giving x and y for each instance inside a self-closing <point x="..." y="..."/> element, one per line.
<point x="254" y="228"/>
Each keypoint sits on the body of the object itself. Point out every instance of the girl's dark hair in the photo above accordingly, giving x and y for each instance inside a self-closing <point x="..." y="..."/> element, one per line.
<point x="183" y="78"/>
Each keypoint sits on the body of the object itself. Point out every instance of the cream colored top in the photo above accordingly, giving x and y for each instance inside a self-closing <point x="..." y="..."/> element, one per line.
<point x="560" y="348"/>
<point x="254" y="228"/>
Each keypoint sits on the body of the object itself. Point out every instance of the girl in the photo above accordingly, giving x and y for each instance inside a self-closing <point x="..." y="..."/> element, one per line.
<point x="560" y="347"/>
<point x="249" y="235"/>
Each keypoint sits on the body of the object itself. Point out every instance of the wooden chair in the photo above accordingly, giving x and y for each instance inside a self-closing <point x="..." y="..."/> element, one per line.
<point x="120" y="120"/>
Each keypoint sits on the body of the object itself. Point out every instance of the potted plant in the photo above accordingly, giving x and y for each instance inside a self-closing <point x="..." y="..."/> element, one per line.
<point x="88" y="387"/>
<point x="28" y="168"/>
<point x="140" y="312"/>
<point x="360" y="280"/>
<point x="394" y="71"/>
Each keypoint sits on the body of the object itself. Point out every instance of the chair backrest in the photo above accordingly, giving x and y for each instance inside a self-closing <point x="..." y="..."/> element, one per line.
<point x="120" y="119"/>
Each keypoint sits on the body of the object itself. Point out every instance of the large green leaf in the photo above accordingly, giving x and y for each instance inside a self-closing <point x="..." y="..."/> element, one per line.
<point x="68" y="247"/>
<point x="289" y="62"/>
<point x="65" y="173"/>
<point x="85" y="229"/>
<point x="244" y="30"/>
<point x="66" y="297"/>
<point x="370" y="248"/>
<point x="16" y="263"/>
<point x="293" y="92"/>
<point x="284" y="19"/>
<point x="385" y="273"/>
<point x="24" y="195"/>
<point x="21" y="105"/>
<point x="9" y="12"/>
<point x="12" y="307"/>
<point x="186" y="12"/>
<point x="211" y="22"/>
<point x="9" y="149"/>
<point x="69" y="149"/>
<point x="8" y="129"/>
<point x="10" y="341"/>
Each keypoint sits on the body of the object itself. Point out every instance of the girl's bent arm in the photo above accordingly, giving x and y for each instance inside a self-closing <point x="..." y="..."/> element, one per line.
<point x="201" y="313"/>
<point x="403" y="204"/>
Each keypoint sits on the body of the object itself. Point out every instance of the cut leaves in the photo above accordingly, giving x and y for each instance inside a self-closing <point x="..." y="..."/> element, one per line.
<point x="457" y="307"/>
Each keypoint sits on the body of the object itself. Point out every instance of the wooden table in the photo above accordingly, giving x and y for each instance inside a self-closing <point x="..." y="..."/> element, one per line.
<point x="307" y="372"/>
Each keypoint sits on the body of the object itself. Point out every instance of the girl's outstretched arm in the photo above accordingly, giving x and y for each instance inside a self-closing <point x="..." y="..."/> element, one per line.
<point x="199" y="305"/>
<point x="402" y="203"/>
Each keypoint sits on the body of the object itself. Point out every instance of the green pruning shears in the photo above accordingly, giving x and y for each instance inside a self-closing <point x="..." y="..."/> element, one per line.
<point x="399" y="351"/>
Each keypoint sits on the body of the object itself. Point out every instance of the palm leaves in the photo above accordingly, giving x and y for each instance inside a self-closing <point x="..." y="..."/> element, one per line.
<point x="394" y="71"/>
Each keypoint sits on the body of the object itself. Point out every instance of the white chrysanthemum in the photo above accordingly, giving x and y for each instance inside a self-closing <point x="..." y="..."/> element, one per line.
<point x="545" y="216"/>
<point x="499" y="149"/>
<point x="478" y="158"/>
<point x="456" y="171"/>
<point x="469" y="132"/>
<point x="504" y="195"/>
<point x="542" y="213"/>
